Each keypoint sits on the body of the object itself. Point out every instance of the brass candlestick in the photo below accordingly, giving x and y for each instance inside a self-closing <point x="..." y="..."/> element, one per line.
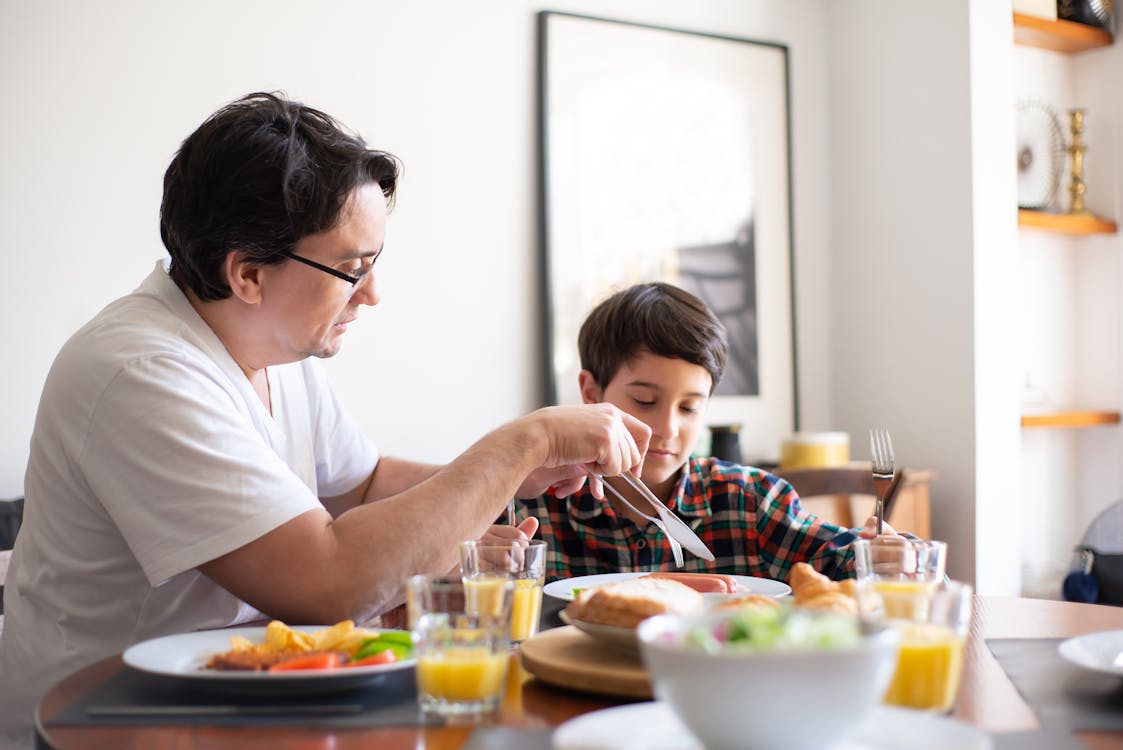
<point x="1076" y="149"/>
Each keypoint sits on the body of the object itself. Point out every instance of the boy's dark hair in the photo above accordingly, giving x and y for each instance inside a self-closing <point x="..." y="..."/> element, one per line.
<point x="658" y="317"/>
<point x="259" y="175"/>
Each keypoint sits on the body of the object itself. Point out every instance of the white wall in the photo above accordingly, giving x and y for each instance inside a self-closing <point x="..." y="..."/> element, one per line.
<point x="1072" y="318"/>
<point x="885" y="105"/>
<point x="906" y="220"/>
<point x="97" y="97"/>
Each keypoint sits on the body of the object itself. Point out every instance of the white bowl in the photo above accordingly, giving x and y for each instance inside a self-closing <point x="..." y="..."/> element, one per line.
<point x="792" y="699"/>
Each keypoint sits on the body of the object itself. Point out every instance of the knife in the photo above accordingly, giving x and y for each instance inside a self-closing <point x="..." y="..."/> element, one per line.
<point x="676" y="527"/>
<point x="223" y="710"/>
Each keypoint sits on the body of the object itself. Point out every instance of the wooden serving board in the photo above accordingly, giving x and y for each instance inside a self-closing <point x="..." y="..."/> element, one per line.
<point x="569" y="658"/>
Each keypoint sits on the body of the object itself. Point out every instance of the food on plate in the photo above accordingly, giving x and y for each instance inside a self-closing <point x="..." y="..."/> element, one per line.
<point x="259" y="659"/>
<point x="626" y="603"/>
<point x="813" y="590"/>
<point x="752" y="601"/>
<point x="707" y="583"/>
<point x="775" y="629"/>
<point x="286" y="649"/>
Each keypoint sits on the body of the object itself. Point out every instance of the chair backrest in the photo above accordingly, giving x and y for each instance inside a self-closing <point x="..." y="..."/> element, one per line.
<point x="11" y="517"/>
<point x="839" y="485"/>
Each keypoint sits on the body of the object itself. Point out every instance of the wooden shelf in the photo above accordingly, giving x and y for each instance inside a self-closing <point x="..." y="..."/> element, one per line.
<point x="1084" y="418"/>
<point x="1065" y="223"/>
<point x="1059" y="35"/>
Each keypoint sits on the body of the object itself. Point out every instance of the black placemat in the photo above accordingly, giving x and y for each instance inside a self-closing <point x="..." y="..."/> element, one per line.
<point x="1061" y="694"/>
<point x="390" y="700"/>
<point x="509" y="738"/>
<point x="1045" y="739"/>
<point x="551" y="606"/>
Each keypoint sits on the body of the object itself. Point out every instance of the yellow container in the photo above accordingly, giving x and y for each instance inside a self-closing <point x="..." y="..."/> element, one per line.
<point x="815" y="450"/>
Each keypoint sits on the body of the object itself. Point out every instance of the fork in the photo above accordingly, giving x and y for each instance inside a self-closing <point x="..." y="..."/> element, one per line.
<point x="881" y="451"/>
<point x="676" y="548"/>
<point x="676" y="527"/>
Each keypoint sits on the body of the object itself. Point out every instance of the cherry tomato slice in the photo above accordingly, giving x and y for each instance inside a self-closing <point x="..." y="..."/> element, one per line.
<point x="327" y="660"/>
<point x="382" y="657"/>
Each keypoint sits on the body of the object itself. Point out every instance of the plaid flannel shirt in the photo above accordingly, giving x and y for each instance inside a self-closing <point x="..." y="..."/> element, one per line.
<point x="751" y="520"/>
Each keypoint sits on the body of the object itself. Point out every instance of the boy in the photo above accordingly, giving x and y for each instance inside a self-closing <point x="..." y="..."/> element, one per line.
<point x="657" y="353"/>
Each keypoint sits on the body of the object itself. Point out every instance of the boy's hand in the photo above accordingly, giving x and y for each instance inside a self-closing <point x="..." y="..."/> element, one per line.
<point x="869" y="531"/>
<point x="500" y="534"/>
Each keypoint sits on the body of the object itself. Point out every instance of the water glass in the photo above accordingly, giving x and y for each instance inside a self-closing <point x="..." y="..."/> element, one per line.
<point x="933" y="618"/>
<point x="461" y="648"/>
<point x="485" y="566"/>
<point x="900" y="558"/>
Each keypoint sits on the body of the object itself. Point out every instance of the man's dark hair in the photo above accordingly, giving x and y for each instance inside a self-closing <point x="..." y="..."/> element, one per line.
<point x="661" y="318"/>
<point x="259" y="175"/>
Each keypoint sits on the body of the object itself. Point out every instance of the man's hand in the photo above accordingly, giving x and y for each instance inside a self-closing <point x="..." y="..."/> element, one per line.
<point x="564" y="480"/>
<point x="598" y="439"/>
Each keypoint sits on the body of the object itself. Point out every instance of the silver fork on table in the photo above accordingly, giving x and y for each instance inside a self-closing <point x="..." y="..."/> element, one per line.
<point x="881" y="452"/>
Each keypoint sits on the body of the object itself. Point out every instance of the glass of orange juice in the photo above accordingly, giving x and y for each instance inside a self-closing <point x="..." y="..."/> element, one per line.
<point x="462" y="642"/>
<point x="933" y="618"/>
<point x="485" y="566"/>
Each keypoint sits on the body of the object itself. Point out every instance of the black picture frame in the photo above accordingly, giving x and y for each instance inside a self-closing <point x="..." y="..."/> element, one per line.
<point x="665" y="154"/>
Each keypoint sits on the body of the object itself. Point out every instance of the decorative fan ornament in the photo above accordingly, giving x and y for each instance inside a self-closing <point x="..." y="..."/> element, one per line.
<point x="1098" y="13"/>
<point x="1104" y="12"/>
<point x="1041" y="155"/>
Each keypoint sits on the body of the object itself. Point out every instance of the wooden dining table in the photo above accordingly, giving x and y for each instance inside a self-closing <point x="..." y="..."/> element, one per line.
<point x="987" y="698"/>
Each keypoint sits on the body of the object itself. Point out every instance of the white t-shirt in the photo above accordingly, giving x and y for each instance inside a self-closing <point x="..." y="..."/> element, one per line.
<point x="151" y="455"/>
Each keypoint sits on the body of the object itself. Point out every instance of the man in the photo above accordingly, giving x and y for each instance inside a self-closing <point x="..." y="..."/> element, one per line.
<point x="657" y="352"/>
<point x="191" y="467"/>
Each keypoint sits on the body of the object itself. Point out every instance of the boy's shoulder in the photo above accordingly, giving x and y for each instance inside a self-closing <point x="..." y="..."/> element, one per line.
<point x="708" y="471"/>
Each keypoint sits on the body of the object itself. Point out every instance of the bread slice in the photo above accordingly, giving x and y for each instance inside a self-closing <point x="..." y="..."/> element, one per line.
<point x="752" y="601"/>
<point x="626" y="603"/>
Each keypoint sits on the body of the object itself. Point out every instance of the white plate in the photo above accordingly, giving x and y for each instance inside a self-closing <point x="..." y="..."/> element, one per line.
<point x="1100" y="652"/>
<point x="626" y="637"/>
<point x="183" y="656"/>
<point x="654" y="726"/>
<point x="563" y="588"/>
<point x="614" y="634"/>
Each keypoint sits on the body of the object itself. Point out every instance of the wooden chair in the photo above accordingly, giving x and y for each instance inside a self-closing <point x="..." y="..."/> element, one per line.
<point x="11" y="517"/>
<point x="843" y="495"/>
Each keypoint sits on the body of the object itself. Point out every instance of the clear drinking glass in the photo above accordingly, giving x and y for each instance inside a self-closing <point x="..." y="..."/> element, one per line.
<point x="933" y="619"/>
<point x="523" y="563"/>
<point x="900" y="558"/>
<point x="461" y="648"/>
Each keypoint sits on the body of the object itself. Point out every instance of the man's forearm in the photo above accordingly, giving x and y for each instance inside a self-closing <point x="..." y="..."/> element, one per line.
<point x="394" y="475"/>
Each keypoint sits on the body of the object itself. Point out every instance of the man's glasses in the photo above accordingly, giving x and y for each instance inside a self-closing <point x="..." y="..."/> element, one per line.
<point x="353" y="279"/>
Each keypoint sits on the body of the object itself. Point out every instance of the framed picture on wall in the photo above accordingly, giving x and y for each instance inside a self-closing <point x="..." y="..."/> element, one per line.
<point x="665" y="157"/>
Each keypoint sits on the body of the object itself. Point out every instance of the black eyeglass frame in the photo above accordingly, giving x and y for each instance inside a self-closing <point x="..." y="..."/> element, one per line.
<point x="353" y="280"/>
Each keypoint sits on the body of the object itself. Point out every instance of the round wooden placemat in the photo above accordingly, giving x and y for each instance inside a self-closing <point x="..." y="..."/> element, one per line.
<point x="569" y="658"/>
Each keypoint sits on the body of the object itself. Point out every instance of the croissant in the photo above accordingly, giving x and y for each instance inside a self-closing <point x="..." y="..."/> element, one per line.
<point x="812" y="589"/>
<point x="834" y="601"/>
<point x="803" y="575"/>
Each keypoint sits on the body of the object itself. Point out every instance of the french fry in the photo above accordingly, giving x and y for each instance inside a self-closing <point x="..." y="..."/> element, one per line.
<point x="331" y="638"/>
<point x="342" y="636"/>
<point x="277" y="635"/>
